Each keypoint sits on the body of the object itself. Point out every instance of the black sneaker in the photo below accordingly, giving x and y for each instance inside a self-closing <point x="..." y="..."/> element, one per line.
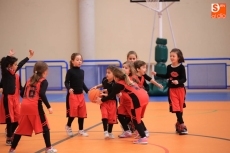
<point x="177" y="127"/>
<point x="183" y="130"/>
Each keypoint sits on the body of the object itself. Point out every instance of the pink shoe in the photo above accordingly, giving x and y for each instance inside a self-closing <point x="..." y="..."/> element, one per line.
<point x="125" y="134"/>
<point x="141" y="141"/>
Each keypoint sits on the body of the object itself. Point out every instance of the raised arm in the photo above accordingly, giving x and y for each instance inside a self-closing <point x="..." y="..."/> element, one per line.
<point x="23" y="62"/>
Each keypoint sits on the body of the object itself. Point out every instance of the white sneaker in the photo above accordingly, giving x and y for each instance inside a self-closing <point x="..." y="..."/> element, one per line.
<point x="69" y="131"/>
<point x="106" y="134"/>
<point x="147" y="133"/>
<point x="138" y="136"/>
<point x="125" y="134"/>
<point x="51" y="150"/>
<point x="83" y="133"/>
<point x="111" y="136"/>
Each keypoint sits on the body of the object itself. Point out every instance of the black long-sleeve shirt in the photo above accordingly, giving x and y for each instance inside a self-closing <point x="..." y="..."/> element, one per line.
<point x="75" y="79"/>
<point x="8" y="79"/>
<point x="117" y="88"/>
<point x="174" y="73"/>
<point x="109" y="86"/>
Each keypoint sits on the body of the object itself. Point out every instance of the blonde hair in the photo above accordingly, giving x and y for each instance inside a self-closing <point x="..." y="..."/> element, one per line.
<point x="121" y="75"/>
<point x="39" y="68"/>
<point x="131" y="67"/>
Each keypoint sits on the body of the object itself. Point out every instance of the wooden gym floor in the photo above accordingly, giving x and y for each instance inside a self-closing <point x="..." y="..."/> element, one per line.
<point x="207" y="122"/>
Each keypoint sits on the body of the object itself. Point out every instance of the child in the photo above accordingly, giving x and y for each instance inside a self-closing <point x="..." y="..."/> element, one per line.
<point x="10" y="106"/>
<point x="32" y="117"/>
<point x="123" y="111"/>
<point x="176" y="92"/>
<point x="140" y="67"/>
<point x="109" y="107"/>
<point x="132" y="56"/>
<point x="75" y="102"/>
<point x="138" y="97"/>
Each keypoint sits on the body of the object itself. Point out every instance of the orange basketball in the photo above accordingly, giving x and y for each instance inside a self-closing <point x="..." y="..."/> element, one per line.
<point x="93" y="94"/>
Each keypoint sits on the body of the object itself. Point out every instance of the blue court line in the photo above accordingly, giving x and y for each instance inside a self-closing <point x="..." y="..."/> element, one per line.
<point x="191" y="97"/>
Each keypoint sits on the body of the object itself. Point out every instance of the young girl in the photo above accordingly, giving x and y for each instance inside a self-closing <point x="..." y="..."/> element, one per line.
<point x="75" y="102"/>
<point x="123" y="111"/>
<point x="138" y="97"/>
<point x="10" y="106"/>
<point x="140" y="67"/>
<point x="32" y="117"/>
<point x="109" y="107"/>
<point x="132" y="56"/>
<point x="176" y="92"/>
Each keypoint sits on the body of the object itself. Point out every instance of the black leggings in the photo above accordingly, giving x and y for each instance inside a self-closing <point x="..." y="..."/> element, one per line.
<point x="179" y="117"/>
<point x="10" y="128"/>
<point x="106" y="126"/>
<point x="140" y="128"/>
<point x="46" y="136"/>
<point x="123" y="120"/>
<point x="80" y="122"/>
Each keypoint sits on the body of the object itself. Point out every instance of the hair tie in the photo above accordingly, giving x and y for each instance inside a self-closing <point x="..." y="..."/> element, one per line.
<point x="35" y="72"/>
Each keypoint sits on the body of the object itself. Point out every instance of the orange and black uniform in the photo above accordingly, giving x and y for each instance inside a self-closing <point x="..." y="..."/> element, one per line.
<point x="139" y="100"/>
<point x="109" y="107"/>
<point x="10" y="105"/>
<point x="32" y="117"/>
<point x="75" y="102"/>
<point x="176" y="93"/>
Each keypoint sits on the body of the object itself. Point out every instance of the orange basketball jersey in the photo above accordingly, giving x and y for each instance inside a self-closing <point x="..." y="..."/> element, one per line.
<point x="140" y="82"/>
<point x="138" y="95"/>
<point x="29" y="105"/>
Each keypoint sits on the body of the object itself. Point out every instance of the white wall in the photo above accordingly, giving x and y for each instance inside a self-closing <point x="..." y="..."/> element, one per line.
<point x="50" y="27"/>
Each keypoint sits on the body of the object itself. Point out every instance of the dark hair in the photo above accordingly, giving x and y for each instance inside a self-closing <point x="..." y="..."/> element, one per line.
<point x="120" y="74"/>
<point x="73" y="57"/>
<point x="138" y="64"/>
<point x="39" y="68"/>
<point x="130" y="53"/>
<point x="111" y="67"/>
<point x="6" y="62"/>
<point x="131" y="67"/>
<point x="179" y="54"/>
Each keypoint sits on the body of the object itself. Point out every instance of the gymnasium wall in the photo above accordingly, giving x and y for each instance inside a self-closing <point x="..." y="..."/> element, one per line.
<point x="122" y="26"/>
<point x="50" y="27"/>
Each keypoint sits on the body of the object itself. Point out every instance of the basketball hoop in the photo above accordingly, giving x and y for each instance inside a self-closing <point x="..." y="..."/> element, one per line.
<point x="157" y="7"/>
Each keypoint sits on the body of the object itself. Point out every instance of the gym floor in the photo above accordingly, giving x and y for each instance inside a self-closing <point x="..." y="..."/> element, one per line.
<point x="207" y="118"/>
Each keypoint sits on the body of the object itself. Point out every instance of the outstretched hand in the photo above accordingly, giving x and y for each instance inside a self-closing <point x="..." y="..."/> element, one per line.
<point x="11" y="53"/>
<point x="31" y="53"/>
<point x="154" y="73"/>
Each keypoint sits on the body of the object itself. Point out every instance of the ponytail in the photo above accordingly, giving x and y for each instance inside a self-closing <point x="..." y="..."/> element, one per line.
<point x="121" y="75"/>
<point x="35" y="79"/>
<point x="70" y="64"/>
<point x="127" y="80"/>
